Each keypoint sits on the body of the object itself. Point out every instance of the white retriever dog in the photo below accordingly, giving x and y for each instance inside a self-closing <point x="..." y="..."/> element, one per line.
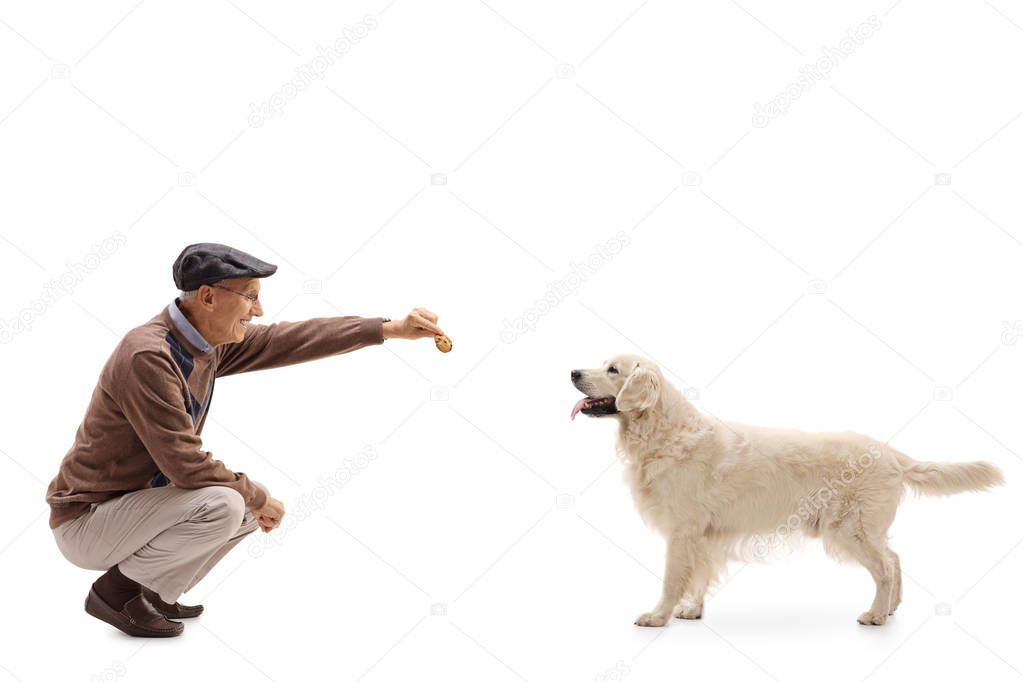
<point x="716" y="489"/>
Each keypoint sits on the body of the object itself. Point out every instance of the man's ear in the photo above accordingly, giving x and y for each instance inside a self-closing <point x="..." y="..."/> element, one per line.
<point x="204" y="296"/>
<point x="640" y="392"/>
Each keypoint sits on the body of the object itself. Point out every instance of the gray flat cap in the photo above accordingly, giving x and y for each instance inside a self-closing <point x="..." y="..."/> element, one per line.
<point x="207" y="263"/>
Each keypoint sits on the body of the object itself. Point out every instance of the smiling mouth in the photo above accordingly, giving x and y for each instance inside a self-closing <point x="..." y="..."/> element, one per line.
<point x="244" y="323"/>
<point x="595" y="407"/>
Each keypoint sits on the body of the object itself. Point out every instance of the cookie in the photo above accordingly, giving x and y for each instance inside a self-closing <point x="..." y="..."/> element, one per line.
<point x="443" y="343"/>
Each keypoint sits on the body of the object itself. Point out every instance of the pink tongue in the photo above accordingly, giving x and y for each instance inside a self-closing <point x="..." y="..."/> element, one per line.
<point x="578" y="407"/>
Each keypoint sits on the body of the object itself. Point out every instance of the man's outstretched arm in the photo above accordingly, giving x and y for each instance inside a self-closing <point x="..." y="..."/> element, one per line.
<point x="289" y="343"/>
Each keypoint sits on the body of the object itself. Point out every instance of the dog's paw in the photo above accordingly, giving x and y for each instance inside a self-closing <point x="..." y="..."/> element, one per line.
<point x="652" y="620"/>
<point x="690" y="612"/>
<point x="870" y="618"/>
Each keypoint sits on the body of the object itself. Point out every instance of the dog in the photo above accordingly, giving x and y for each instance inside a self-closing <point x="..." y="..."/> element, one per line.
<point x="716" y="489"/>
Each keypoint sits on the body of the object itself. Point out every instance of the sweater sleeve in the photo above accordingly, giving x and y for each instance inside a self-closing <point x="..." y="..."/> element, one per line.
<point x="152" y="401"/>
<point x="289" y="343"/>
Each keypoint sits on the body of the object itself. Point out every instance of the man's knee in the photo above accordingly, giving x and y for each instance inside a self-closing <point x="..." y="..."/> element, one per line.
<point x="223" y="506"/>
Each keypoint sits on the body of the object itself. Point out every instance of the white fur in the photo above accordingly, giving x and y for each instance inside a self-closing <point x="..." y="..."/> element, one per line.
<point x="717" y="490"/>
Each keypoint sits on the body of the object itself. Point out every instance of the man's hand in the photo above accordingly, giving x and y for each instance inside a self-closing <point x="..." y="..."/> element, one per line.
<point x="419" y="324"/>
<point x="270" y="514"/>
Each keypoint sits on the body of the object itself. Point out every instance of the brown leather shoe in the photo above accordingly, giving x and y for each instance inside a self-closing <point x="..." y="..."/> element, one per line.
<point x="137" y="618"/>
<point x="174" y="610"/>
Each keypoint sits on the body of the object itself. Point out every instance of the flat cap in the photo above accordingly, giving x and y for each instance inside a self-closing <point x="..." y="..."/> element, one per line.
<point x="207" y="263"/>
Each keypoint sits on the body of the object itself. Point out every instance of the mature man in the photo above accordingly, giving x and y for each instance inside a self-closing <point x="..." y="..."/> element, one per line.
<point x="136" y="495"/>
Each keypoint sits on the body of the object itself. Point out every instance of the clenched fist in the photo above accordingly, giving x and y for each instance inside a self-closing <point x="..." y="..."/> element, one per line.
<point x="270" y="514"/>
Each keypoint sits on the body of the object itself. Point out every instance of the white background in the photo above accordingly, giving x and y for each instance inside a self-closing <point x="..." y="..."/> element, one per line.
<point x="812" y="273"/>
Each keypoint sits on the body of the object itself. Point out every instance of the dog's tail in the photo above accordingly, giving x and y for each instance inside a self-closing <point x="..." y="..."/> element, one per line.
<point x="948" y="478"/>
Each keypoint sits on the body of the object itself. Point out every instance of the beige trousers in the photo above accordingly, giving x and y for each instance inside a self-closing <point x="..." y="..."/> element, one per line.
<point x="165" y="538"/>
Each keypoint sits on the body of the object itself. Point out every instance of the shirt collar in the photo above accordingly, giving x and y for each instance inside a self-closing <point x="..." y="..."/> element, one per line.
<point x="186" y="329"/>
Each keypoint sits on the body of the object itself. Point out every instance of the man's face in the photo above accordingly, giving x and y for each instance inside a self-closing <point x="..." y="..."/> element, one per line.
<point x="231" y="311"/>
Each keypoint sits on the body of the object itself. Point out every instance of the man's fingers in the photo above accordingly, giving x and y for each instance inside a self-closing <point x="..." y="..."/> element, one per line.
<point x="425" y="314"/>
<point x="432" y="317"/>
<point x="424" y="319"/>
<point x="423" y="323"/>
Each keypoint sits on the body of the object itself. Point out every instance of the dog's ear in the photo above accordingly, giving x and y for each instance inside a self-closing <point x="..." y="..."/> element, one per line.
<point x="640" y="392"/>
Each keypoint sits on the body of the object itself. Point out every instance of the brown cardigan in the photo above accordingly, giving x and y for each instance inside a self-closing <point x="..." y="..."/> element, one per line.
<point x="149" y="406"/>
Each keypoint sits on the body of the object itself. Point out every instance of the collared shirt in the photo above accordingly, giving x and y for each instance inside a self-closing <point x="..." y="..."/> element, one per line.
<point x="190" y="333"/>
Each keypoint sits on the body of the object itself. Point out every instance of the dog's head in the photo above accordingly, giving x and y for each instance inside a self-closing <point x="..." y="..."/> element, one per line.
<point x="623" y="385"/>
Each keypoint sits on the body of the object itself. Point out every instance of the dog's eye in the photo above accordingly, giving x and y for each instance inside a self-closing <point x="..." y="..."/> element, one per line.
<point x="612" y="370"/>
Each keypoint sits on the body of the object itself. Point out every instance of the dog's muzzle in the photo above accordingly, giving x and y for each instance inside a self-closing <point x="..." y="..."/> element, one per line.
<point x="600" y="406"/>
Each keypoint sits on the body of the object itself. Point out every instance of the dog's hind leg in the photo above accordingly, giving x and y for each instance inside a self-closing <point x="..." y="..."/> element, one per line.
<point x="897" y="591"/>
<point x="874" y="554"/>
<point x="857" y="526"/>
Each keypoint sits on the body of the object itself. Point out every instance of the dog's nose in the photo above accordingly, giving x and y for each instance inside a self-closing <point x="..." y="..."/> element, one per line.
<point x="576" y="374"/>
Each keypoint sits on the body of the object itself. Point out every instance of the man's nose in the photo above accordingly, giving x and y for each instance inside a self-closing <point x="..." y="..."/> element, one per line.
<point x="576" y="374"/>
<point x="257" y="309"/>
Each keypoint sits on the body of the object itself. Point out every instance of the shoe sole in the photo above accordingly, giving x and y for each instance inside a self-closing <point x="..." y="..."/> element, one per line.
<point x="97" y="608"/>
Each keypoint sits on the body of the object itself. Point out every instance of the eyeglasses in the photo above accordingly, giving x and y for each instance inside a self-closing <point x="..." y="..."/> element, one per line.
<point x="252" y="298"/>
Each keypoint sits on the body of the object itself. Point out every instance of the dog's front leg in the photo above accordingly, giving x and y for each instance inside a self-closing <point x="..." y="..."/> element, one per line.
<point x="678" y="572"/>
